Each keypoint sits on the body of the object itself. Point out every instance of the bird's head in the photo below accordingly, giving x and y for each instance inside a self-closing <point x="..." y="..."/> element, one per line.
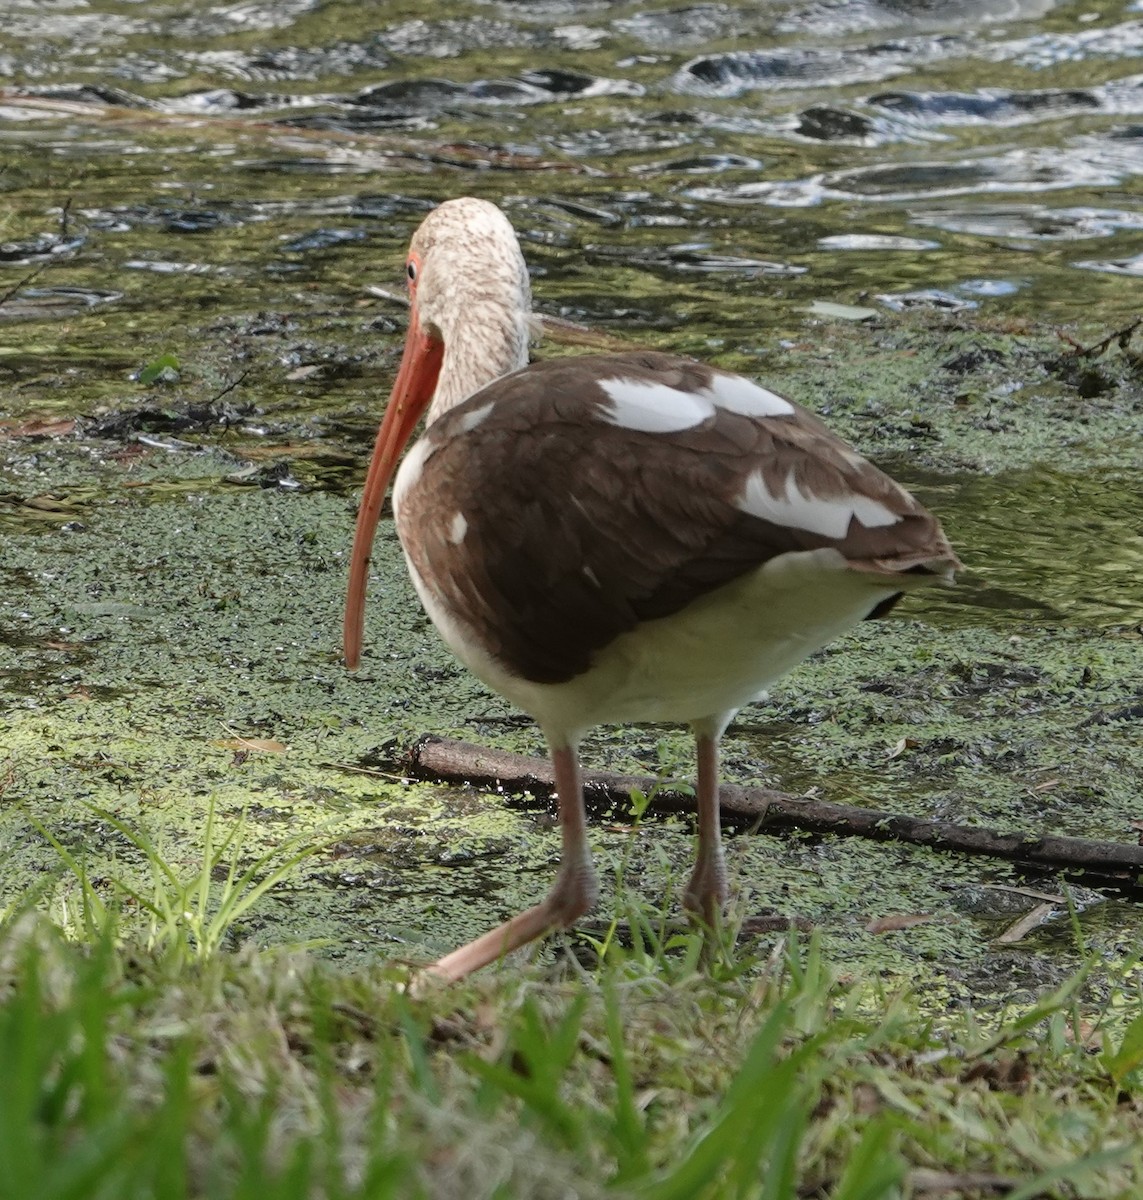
<point x="469" y="306"/>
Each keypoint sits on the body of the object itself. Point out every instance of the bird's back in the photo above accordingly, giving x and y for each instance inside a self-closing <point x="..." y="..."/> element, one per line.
<point x="566" y="504"/>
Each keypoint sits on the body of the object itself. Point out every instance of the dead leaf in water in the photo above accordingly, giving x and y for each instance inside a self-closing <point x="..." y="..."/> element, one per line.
<point x="905" y="743"/>
<point x="895" y="921"/>
<point x="37" y="427"/>
<point x="1002" y="1074"/>
<point x="563" y="332"/>
<point x="49" y="503"/>
<point x="842" y="312"/>
<point x="926" y="1182"/>
<point x="1029" y="921"/>
<point x="265" y="745"/>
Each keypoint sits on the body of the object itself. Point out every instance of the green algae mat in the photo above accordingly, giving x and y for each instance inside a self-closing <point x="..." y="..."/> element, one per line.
<point x="173" y="578"/>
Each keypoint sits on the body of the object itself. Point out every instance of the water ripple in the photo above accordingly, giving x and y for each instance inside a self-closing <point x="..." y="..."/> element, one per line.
<point x="874" y="241"/>
<point x="736" y="72"/>
<point x="1118" y="266"/>
<point x="662" y="126"/>
<point x="833" y="17"/>
<point x="1089" y="162"/>
<point x="532" y="87"/>
<point x="691" y="257"/>
<point x="222" y="20"/>
<point x="1044" y="50"/>
<point x="1003" y="107"/>
<point x="691" y="26"/>
<point x="1036" y="222"/>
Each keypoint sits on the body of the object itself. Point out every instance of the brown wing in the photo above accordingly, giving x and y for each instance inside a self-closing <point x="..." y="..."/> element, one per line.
<point x="577" y="528"/>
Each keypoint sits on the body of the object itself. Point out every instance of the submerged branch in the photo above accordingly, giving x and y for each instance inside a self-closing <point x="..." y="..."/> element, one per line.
<point x="6" y="296"/>
<point x="1121" y="336"/>
<point x="447" y="760"/>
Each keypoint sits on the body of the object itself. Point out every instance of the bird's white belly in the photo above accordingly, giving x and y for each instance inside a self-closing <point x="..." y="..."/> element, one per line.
<point x="707" y="660"/>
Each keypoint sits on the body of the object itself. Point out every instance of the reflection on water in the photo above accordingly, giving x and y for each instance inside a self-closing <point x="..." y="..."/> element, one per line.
<point x="884" y="115"/>
<point x="1043" y="546"/>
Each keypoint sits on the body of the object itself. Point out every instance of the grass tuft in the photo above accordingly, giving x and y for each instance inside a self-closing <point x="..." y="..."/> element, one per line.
<point x="152" y="1060"/>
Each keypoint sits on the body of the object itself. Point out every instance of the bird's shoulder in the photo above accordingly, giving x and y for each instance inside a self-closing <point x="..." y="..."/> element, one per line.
<point x="607" y="417"/>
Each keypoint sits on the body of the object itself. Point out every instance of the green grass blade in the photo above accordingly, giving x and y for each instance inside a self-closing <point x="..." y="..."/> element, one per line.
<point x="627" y="1131"/>
<point x="875" y="1170"/>
<point x="1071" y="1173"/>
<point x="764" y="1089"/>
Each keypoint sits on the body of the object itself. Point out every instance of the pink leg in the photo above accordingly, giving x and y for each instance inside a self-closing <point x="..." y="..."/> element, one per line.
<point x="707" y="890"/>
<point x="574" y="893"/>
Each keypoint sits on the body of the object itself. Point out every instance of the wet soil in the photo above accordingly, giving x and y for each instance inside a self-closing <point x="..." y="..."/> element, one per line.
<point x="200" y="317"/>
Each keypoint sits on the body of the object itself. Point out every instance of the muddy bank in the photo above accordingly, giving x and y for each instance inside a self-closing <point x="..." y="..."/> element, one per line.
<point x="170" y="629"/>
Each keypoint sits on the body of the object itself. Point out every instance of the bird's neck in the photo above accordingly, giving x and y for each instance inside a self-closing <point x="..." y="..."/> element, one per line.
<point x="490" y="340"/>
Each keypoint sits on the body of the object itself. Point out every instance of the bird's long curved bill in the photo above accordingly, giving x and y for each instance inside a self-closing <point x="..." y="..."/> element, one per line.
<point x="416" y="381"/>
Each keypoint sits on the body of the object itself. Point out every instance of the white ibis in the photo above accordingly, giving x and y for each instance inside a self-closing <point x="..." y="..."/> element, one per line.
<point x="616" y="537"/>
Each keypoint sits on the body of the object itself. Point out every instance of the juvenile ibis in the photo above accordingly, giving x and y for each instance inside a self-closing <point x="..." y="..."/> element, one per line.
<point x="615" y="537"/>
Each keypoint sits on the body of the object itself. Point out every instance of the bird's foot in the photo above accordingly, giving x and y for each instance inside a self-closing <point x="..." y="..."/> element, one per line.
<point x="574" y="894"/>
<point x="707" y="892"/>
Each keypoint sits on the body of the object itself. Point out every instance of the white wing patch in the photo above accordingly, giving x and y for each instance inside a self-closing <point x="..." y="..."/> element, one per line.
<point x="457" y="528"/>
<point x="654" y="407"/>
<point x="410" y="470"/>
<point x="739" y="395"/>
<point x="470" y="420"/>
<point x="796" y="510"/>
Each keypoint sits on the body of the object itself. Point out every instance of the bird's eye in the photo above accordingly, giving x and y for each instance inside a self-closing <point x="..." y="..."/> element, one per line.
<point x="411" y="271"/>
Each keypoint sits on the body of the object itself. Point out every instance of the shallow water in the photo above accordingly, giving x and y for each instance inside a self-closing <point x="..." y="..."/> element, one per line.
<point x="218" y="186"/>
<point x="952" y="155"/>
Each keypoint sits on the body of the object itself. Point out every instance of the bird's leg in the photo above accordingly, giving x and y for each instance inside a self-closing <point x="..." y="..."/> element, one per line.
<point x="573" y="894"/>
<point x="707" y="890"/>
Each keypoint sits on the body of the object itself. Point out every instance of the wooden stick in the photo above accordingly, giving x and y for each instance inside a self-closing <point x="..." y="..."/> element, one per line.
<point x="447" y="760"/>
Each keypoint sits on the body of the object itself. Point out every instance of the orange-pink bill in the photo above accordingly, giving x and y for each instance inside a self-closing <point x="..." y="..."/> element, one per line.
<point x="416" y="381"/>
